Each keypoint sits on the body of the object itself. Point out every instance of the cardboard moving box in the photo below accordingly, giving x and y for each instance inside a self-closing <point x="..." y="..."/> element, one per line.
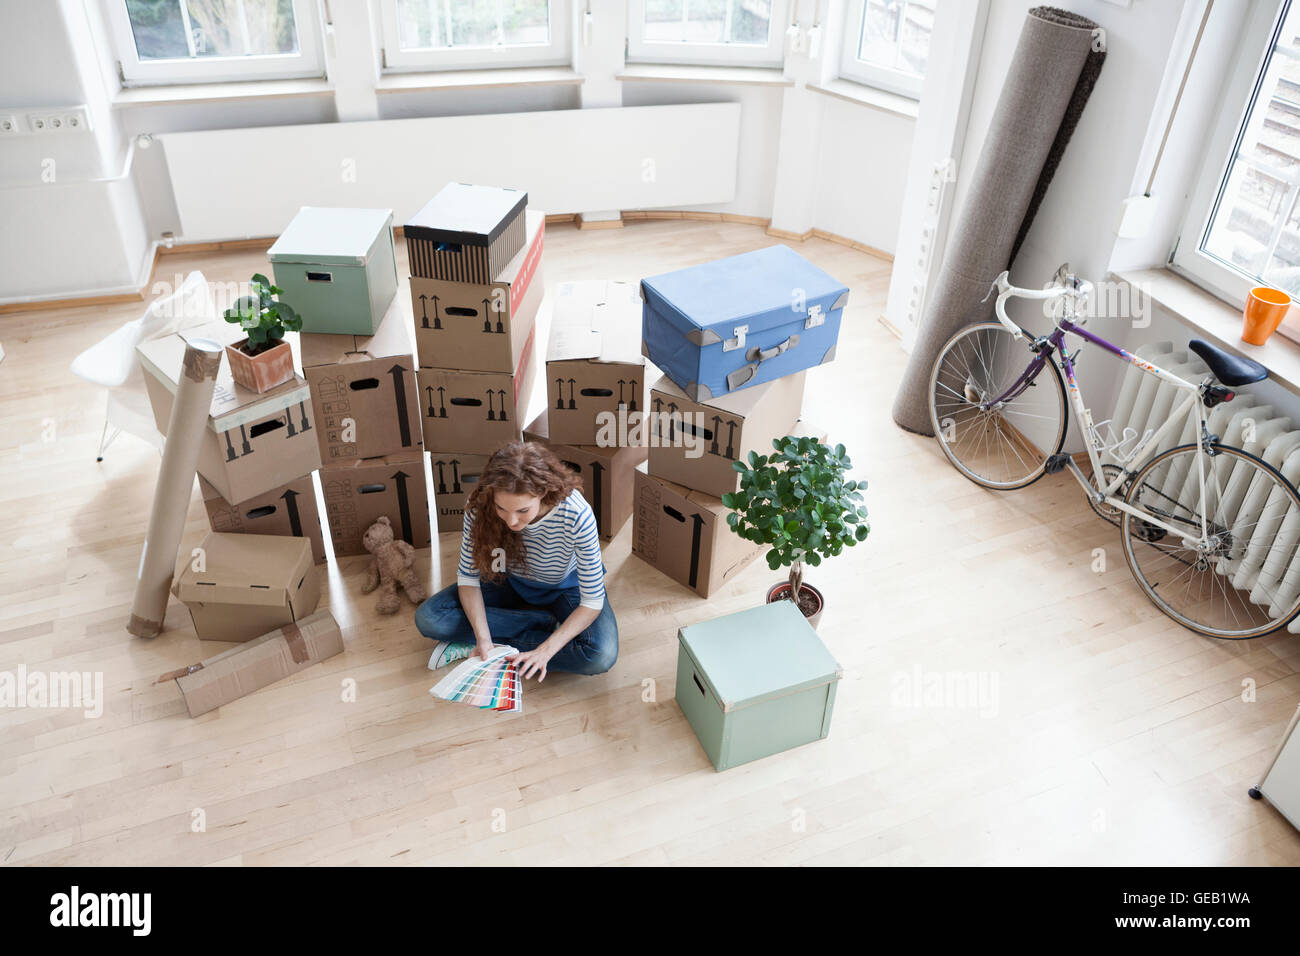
<point x="337" y="267"/>
<point x="357" y="493"/>
<point x="695" y="443"/>
<point x="474" y="412"/>
<point x="607" y="476"/>
<point x="481" y="327"/>
<point x="685" y="535"/>
<point x="466" y="233"/>
<point x="258" y="663"/>
<point x="593" y="365"/>
<point x="363" y="389"/>
<point x="454" y="477"/>
<point x="289" y="511"/>
<point x="241" y="585"/>
<point x="254" y="443"/>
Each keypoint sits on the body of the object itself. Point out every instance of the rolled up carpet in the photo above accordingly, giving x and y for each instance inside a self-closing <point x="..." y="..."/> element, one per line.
<point x="171" y="498"/>
<point x="1052" y="73"/>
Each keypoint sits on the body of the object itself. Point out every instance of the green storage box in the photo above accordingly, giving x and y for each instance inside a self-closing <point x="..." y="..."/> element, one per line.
<point x="755" y="683"/>
<point x="337" y="268"/>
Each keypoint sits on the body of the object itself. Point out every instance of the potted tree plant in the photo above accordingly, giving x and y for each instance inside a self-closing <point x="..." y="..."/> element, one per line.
<point x="262" y="360"/>
<point x="798" y="502"/>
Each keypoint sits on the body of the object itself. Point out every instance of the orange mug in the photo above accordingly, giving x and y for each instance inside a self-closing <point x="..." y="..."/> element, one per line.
<point x="1265" y="310"/>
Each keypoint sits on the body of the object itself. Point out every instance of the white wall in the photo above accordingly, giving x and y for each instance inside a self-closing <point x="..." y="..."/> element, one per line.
<point x="760" y="127"/>
<point x="862" y="168"/>
<point x="53" y="53"/>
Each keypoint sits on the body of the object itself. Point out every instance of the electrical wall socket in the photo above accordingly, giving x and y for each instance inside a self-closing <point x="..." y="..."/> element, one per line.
<point x="54" y="119"/>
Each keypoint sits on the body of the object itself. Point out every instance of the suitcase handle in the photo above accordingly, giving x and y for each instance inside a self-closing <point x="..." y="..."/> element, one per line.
<point x="762" y="355"/>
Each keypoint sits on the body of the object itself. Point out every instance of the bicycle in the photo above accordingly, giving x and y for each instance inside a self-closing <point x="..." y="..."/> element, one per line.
<point x="1198" y="520"/>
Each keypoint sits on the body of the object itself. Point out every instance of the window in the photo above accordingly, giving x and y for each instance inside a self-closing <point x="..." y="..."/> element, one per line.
<point x="718" y="32"/>
<point x="475" y="34"/>
<point x="191" y="41"/>
<point x="887" y="44"/>
<point x="1243" y="224"/>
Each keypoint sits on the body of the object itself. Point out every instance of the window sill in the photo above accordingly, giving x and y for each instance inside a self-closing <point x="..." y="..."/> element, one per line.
<point x="133" y="96"/>
<point x="863" y="95"/>
<point x="679" y="73"/>
<point x="1216" y="321"/>
<point x="480" y="79"/>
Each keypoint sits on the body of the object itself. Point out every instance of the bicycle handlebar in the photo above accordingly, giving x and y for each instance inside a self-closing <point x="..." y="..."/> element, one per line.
<point x="1080" y="289"/>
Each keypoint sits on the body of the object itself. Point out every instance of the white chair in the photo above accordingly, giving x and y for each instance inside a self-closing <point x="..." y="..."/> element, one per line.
<point x="113" y="363"/>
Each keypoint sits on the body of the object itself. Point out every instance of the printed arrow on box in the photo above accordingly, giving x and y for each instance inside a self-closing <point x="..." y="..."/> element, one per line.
<point x="404" y="506"/>
<point x="399" y="386"/>
<point x="291" y="505"/>
<point x="695" y="547"/>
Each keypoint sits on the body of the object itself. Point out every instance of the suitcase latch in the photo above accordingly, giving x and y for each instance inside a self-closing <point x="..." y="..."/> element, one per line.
<point x="815" y="317"/>
<point x="738" y="342"/>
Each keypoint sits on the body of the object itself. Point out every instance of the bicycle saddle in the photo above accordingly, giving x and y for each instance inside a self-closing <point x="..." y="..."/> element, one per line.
<point x="1228" y="368"/>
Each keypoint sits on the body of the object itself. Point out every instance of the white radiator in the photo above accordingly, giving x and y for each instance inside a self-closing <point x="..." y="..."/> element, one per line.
<point x="243" y="183"/>
<point x="1270" y="563"/>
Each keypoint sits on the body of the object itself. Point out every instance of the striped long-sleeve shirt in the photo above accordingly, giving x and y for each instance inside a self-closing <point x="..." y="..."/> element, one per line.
<point x="561" y="549"/>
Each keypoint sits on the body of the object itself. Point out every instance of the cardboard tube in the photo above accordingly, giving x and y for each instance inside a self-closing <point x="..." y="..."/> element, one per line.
<point x="171" y="497"/>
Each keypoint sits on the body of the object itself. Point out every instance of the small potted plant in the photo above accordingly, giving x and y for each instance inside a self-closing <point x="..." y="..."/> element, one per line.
<point x="262" y="360"/>
<point x="798" y="502"/>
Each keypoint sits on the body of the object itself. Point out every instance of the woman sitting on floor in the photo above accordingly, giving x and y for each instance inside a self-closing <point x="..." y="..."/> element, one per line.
<point x="530" y="572"/>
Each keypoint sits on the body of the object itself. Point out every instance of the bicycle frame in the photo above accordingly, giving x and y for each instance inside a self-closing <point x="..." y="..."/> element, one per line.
<point x="1105" y="494"/>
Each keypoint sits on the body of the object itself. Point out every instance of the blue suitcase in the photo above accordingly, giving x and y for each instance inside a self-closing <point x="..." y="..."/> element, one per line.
<point x="741" y="321"/>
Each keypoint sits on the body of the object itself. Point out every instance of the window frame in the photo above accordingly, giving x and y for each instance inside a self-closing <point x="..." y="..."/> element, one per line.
<point x="869" y="74"/>
<point x="559" y="52"/>
<point x="308" y="62"/>
<point x="1255" y="46"/>
<point x="771" y="56"/>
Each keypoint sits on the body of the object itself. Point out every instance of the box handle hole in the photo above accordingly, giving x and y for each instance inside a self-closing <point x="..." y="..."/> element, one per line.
<point x="674" y="514"/>
<point x="261" y="428"/>
<point x="461" y="310"/>
<point x="596" y="392"/>
<point x="688" y="427"/>
<point x="320" y="277"/>
<point x="371" y="489"/>
<point x="473" y="402"/>
<point x="263" y="512"/>
<point x="696" y="678"/>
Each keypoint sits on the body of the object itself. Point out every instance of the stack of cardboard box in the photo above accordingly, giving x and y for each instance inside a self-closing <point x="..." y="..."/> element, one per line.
<point x="357" y="358"/>
<point x="596" y="394"/>
<point x="476" y="283"/>
<point x="734" y="338"/>
<point x="680" y="523"/>
<point x="259" y="450"/>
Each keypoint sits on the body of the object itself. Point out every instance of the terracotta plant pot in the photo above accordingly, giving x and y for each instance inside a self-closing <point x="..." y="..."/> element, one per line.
<point x="781" y="592"/>
<point x="1264" y="312"/>
<point x="261" y="372"/>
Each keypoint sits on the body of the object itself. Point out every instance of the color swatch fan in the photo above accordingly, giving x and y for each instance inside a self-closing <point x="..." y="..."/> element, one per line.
<point x="490" y="685"/>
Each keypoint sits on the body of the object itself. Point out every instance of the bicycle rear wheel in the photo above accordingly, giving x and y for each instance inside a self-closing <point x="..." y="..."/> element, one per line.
<point x="1244" y="581"/>
<point x="1003" y="446"/>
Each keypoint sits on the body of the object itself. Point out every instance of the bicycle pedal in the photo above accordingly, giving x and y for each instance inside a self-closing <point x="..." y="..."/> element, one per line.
<point x="1056" y="463"/>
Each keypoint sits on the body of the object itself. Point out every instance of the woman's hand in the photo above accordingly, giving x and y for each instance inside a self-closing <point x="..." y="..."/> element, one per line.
<point x="533" y="662"/>
<point x="483" y="649"/>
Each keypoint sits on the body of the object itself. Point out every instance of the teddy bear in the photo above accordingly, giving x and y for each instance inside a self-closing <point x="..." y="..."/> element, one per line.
<point x="392" y="565"/>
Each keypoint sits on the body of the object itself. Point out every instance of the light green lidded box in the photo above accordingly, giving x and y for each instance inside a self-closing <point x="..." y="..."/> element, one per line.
<point x="755" y="683"/>
<point x="337" y="268"/>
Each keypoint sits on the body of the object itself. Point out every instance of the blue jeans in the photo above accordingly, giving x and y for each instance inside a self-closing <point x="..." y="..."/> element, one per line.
<point x="513" y="621"/>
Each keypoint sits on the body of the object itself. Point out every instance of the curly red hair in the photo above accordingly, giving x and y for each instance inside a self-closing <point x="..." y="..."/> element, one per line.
<point x="519" y="468"/>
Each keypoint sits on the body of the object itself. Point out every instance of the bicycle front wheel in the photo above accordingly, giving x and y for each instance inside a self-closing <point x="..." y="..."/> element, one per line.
<point x="1238" y="579"/>
<point x="1001" y="445"/>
